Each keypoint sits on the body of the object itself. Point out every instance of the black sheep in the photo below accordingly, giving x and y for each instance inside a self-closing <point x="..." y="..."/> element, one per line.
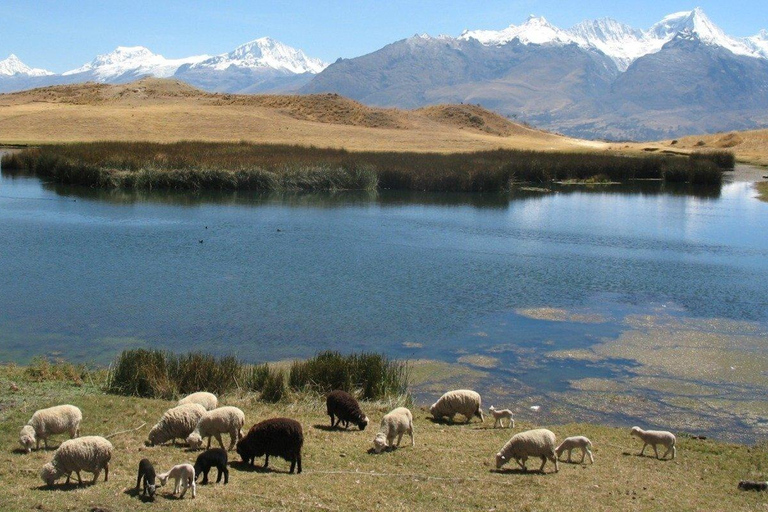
<point x="281" y="437"/>
<point x="215" y="457"/>
<point x="343" y="408"/>
<point x="750" y="485"/>
<point x="147" y="474"/>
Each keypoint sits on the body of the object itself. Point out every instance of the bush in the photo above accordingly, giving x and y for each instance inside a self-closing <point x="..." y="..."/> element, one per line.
<point x="373" y="375"/>
<point x="274" y="387"/>
<point x="41" y="369"/>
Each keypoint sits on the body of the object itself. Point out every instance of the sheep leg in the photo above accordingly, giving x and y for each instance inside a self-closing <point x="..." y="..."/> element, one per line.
<point x="591" y="458"/>
<point x="667" y="452"/>
<point x="569" y="455"/>
<point x="543" y="463"/>
<point x="138" y="483"/>
<point x="400" y="438"/>
<point x="583" y="454"/>
<point x="79" y="479"/>
<point x="232" y="440"/>
<point x="293" y="465"/>
<point x="194" y="489"/>
<point x="410" y="431"/>
<point x="643" y="450"/>
<point x="298" y="462"/>
<point x="655" y="451"/>
<point x="184" y="486"/>
<point x="37" y="444"/>
<point x="333" y="422"/>
<point x="554" y="461"/>
<point x="106" y="472"/>
<point x="521" y="463"/>
<point x="45" y="440"/>
<point x="95" y="476"/>
<point x="205" y="476"/>
<point x="266" y="462"/>
<point x="67" y="481"/>
<point x="226" y="474"/>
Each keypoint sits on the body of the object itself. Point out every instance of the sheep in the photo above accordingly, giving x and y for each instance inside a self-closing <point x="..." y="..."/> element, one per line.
<point x="499" y="415"/>
<point x="224" y="420"/>
<point x="281" y="437"/>
<point x="184" y="475"/>
<point x="89" y="453"/>
<point x="344" y="408"/>
<point x="207" y="400"/>
<point x="576" y="442"/>
<point x="460" y="401"/>
<point x="51" y="421"/>
<point x="531" y="443"/>
<point x="147" y="476"/>
<point x="655" y="437"/>
<point x="205" y="461"/>
<point x="394" y="424"/>
<point x="751" y="485"/>
<point x="176" y="423"/>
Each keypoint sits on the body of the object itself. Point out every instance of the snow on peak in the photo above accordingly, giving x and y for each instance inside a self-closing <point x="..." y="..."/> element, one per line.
<point x="12" y="66"/>
<point x="535" y="30"/>
<point x="134" y="60"/>
<point x="622" y="43"/>
<point x="266" y="52"/>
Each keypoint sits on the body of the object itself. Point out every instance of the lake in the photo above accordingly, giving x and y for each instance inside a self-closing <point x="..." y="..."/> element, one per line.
<point x="620" y="304"/>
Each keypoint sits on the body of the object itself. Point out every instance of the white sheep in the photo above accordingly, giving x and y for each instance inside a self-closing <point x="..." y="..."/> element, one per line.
<point x="184" y="476"/>
<point x="51" y="421"/>
<point x="176" y="423"/>
<point x="576" y="442"/>
<point x="531" y="443"/>
<point x="89" y="453"/>
<point x="394" y="424"/>
<point x="224" y="420"/>
<point x="207" y="400"/>
<point x="499" y="415"/>
<point x="654" y="437"/>
<point x="460" y="401"/>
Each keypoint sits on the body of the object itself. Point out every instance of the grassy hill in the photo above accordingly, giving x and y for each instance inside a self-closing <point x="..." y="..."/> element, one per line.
<point x="451" y="466"/>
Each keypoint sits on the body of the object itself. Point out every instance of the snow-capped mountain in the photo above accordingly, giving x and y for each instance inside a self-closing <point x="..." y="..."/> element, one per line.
<point x="264" y="53"/>
<point x="12" y="66"/>
<point x="128" y="62"/>
<point x="621" y="42"/>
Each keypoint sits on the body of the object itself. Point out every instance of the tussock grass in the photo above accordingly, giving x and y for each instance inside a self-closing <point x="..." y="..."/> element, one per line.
<point x="450" y="468"/>
<point x="371" y="376"/>
<point x="263" y="167"/>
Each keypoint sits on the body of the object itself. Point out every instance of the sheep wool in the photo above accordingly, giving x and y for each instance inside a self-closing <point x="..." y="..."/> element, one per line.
<point x="183" y="475"/>
<point x="343" y="408"/>
<point x="51" y="421"/>
<point x="90" y="454"/>
<point x="460" y="401"/>
<point x="394" y="424"/>
<point x="570" y="443"/>
<point x="176" y="423"/>
<point x="207" y="400"/>
<point x="280" y="437"/>
<point x="656" y="437"/>
<point x="224" y="420"/>
<point x="531" y="443"/>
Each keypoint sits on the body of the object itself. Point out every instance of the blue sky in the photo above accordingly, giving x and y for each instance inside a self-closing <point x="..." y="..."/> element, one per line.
<point x="61" y="35"/>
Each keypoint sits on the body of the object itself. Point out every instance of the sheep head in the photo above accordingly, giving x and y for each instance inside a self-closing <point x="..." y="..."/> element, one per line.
<point x="49" y="474"/>
<point x="500" y="460"/>
<point x="27" y="438"/>
<point x="380" y="442"/>
<point x="194" y="440"/>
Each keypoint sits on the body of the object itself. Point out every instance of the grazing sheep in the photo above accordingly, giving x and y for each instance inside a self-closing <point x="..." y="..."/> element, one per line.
<point x="184" y="475"/>
<point x="531" y="443"/>
<point x="576" y="442"/>
<point x="654" y="437"/>
<point x="176" y="423"/>
<point x="499" y="415"/>
<point x="460" y="401"/>
<point x="51" y="421"/>
<point x="89" y="453"/>
<point x="207" y="400"/>
<point x="281" y="437"/>
<point x="751" y="485"/>
<point x="224" y="420"/>
<point x="344" y="408"/>
<point x="215" y="457"/>
<point x="147" y="476"/>
<point x="394" y="425"/>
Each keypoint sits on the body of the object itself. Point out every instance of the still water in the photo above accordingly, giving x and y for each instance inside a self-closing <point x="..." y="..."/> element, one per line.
<point x="500" y="286"/>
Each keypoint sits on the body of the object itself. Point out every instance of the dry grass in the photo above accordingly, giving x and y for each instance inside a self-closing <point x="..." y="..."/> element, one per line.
<point x="450" y="467"/>
<point x="168" y="111"/>
<point x="762" y="190"/>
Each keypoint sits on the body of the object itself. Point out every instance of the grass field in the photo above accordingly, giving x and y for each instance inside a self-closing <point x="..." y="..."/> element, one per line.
<point x="762" y="190"/>
<point x="450" y="468"/>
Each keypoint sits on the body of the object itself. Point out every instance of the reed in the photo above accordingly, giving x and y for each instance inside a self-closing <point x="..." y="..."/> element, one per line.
<point x="262" y="167"/>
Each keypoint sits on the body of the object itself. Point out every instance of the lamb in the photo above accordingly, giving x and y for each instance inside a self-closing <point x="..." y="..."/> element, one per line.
<point x="394" y="424"/>
<point x="224" y="420"/>
<point x="89" y="453"/>
<point x="499" y="415"/>
<point x="147" y="476"/>
<point x="460" y="401"/>
<point x="531" y="443"/>
<point x="344" y="408"/>
<point x="184" y="475"/>
<point x="176" y="423"/>
<point x="576" y="442"/>
<point x="207" y="400"/>
<point x="655" y="437"/>
<point x="281" y="437"/>
<point x="51" y="421"/>
<point x="215" y="457"/>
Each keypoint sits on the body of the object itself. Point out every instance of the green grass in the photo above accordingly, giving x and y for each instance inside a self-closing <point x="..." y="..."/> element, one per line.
<point x="450" y="468"/>
<point x="762" y="189"/>
<point x="261" y="167"/>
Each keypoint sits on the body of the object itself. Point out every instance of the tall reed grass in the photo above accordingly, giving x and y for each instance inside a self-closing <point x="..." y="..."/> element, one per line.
<point x="262" y="167"/>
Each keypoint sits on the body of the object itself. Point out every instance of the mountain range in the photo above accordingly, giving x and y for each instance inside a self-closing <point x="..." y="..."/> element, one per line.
<point x="598" y="79"/>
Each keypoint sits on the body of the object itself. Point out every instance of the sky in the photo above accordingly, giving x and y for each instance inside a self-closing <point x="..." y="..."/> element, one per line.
<point x="59" y="35"/>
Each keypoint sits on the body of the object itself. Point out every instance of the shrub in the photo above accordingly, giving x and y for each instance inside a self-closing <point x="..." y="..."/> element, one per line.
<point x="42" y="369"/>
<point x="274" y="387"/>
<point x="140" y="372"/>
